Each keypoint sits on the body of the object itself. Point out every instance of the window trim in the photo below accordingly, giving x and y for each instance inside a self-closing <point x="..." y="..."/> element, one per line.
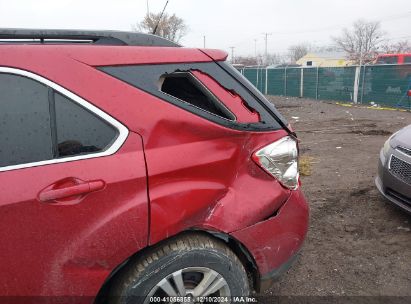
<point x="115" y="146"/>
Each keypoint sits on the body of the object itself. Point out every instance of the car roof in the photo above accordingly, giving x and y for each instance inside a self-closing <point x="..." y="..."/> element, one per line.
<point x="100" y="48"/>
<point x="26" y="55"/>
<point x="58" y="36"/>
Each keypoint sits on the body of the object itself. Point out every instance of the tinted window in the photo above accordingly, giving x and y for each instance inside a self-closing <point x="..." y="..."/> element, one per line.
<point x="186" y="88"/>
<point x="407" y="59"/>
<point x="388" y="60"/>
<point x="25" y="134"/>
<point x="78" y="130"/>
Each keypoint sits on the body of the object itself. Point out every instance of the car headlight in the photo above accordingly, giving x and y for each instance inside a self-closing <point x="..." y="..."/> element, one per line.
<point x="387" y="144"/>
<point x="386" y="147"/>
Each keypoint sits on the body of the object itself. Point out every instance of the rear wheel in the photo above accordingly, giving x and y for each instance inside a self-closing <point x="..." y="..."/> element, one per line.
<point x="191" y="266"/>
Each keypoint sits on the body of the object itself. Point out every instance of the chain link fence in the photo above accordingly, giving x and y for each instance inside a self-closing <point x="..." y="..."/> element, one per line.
<point x="384" y="85"/>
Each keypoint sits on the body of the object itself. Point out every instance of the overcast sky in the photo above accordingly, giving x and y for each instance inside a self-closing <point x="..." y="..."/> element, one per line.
<point x="225" y="23"/>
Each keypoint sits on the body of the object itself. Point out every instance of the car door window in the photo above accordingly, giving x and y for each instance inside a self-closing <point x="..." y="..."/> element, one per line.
<point x="80" y="131"/>
<point x="25" y="134"/>
<point x="38" y="124"/>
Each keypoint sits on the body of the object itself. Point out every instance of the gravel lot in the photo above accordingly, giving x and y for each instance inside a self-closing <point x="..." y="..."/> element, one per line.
<point x="358" y="244"/>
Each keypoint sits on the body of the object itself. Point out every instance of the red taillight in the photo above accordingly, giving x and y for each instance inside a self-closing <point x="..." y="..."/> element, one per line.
<point x="280" y="160"/>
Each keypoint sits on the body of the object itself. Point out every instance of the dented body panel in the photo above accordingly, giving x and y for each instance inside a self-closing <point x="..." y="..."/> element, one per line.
<point x="214" y="184"/>
<point x="276" y="240"/>
<point x="179" y="169"/>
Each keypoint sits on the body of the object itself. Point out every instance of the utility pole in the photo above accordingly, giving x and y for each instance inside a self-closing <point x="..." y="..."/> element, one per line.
<point x="204" y="41"/>
<point x="148" y="9"/>
<point x="255" y="49"/>
<point x="357" y="77"/>
<point x="266" y="46"/>
<point x="159" y="19"/>
<point x="232" y="53"/>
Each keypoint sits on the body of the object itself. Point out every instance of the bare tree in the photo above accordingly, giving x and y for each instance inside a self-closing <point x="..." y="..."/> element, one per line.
<point x="275" y="58"/>
<point x="361" y="42"/>
<point x="246" y="60"/>
<point x="295" y="52"/>
<point x="325" y="48"/>
<point x="271" y="59"/>
<point x="403" y="46"/>
<point x="170" y="26"/>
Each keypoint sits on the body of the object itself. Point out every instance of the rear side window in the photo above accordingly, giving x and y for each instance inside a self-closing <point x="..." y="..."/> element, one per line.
<point x="39" y="124"/>
<point x="191" y="93"/>
<point x="186" y="87"/>
<point x="79" y="131"/>
<point x="407" y="59"/>
<point x="25" y="134"/>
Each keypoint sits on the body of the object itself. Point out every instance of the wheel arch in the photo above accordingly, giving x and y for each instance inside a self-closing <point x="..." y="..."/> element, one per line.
<point x="241" y="252"/>
<point x="236" y="246"/>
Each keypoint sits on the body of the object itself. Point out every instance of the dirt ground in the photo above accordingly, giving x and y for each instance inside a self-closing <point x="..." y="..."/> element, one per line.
<point x="358" y="244"/>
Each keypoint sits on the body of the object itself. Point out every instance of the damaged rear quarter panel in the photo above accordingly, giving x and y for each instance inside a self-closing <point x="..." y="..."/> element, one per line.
<point x="209" y="180"/>
<point x="200" y="172"/>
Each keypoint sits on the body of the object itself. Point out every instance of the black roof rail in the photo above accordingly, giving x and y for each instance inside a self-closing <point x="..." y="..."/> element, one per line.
<point x="10" y="35"/>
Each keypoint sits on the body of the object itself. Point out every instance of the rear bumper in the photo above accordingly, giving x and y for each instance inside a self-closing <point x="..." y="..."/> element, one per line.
<point x="275" y="242"/>
<point x="267" y="280"/>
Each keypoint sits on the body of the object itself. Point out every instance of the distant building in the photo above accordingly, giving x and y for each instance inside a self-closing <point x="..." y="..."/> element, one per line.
<point x="324" y="59"/>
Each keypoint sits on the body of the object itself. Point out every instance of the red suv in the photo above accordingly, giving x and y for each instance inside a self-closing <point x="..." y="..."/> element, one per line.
<point x="136" y="169"/>
<point x="393" y="59"/>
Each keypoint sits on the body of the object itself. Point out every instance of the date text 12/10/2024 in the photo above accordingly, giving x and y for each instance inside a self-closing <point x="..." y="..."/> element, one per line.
<point x="202" y="300"/>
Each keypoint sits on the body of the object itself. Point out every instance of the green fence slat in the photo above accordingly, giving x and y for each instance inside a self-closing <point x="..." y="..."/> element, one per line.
<point x="251" y="75"/>
<point x="293" y="82"/>
<point x="336" y="83"/>
<point x="310" y="82"/>
<point x="275" y="81"/>
<point x="257" y="77"/>
<point x="387" y="85"/>
<point x="261" y="80"/>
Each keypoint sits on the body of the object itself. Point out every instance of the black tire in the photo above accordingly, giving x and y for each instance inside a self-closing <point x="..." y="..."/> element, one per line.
<point x="142" y="276"/>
